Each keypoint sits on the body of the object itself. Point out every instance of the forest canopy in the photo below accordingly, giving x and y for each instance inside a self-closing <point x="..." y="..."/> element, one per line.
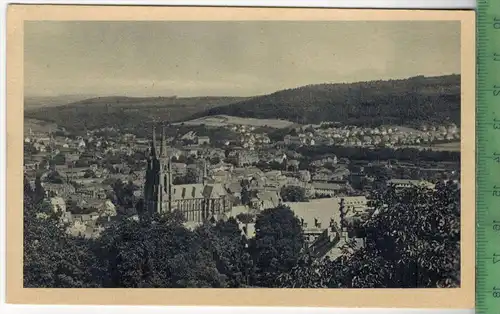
<point x="412" y="240"/>
<point x="407" y="102"/>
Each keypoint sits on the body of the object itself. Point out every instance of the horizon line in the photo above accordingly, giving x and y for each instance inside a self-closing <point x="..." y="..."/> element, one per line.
<point x="124" y="95"/>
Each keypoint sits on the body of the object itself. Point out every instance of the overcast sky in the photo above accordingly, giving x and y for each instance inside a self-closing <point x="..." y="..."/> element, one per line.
<point x="229" y="58"/>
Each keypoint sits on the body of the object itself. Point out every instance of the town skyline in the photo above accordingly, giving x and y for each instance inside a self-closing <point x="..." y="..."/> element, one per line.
<point x="343" y="135"/>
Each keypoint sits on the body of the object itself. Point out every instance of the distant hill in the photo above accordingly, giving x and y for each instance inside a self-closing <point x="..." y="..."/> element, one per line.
<point x="402" y="102"/>
<point x="37" y="102"/>
<point x="129" y="112"/>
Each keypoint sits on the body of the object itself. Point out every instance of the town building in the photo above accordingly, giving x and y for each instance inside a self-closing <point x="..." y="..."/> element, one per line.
<point x="330" y="189"/>
<point x="198" y="202"/>
<point x="404" y="184"/>
<point x="203" y="140"/>
<point x="245" y="157"/>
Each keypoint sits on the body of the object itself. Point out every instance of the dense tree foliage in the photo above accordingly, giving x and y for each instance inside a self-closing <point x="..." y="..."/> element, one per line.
<point x="29" y="149"/>
<point x="39" y="193"/>
<point x="417" y="232"/>
<point x="215" y="160"/>
<point x="125" y="112"/>
<point x="156" y="253"/>
<point x="59" y="159"/>
<point x="54" y="177"/>
<point x="412" y="239"/>
<point x="52" y="259"/>
<point x="228" y="247"/>
<point x="190" y="177"/>
<point x="402" y="102"/>
<point x="124" y="194"/>
<point x="278" y="243"/>
<point x="364" y="153"/>
<point x="293" y="194"/>
<point x="245" y="193"/>
<point x="245" y="218"/>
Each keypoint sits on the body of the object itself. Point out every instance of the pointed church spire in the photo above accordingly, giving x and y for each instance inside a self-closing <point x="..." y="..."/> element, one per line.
<point x="153" y="143"/>
<point x="163" y="152"/>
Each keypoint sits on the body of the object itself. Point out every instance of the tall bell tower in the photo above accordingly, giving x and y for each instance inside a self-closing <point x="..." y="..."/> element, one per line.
<point x="165" y="174"/>
<point x="158" y="185"/>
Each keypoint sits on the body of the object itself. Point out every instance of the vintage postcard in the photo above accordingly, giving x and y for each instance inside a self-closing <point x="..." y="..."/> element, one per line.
<point x="240" y="156"/>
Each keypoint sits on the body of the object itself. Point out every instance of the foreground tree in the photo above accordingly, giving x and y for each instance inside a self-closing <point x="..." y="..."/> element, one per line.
<point x="308" y="273"/>
<point x="293" y="194"/>
<point x="123" y="194"/>
<point x="245" y="195"/>
<point x="156" y="252"/>
<point x="278" y="244"/>
<point x="245" y="218"/>
<point x="228" y="247"/>
<point x="52" y="259"/>
<point x="190" y="177"/>
<point x="39" y="192"/>
<point x="412" y="241"/>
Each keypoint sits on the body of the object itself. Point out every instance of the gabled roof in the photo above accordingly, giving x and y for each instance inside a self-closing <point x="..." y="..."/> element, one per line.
<point x="353" y="200"/>
<point x="270" y="199"/>
<point x="194" y="191"/>
<point x="187" y="191"/>
<point x="214" y="191"/>
<point x="327" y="186"/>
<point x="322" y="209"/>
<point x="207" y="191"/>
<point x="403" y="181"/>
<point x="235" y="187"/>
<point x="94" y="203"/>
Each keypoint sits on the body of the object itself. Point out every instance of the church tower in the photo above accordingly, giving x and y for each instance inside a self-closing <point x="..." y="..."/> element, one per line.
<point x="165" y="175"/>
<point x="158" y="185"/>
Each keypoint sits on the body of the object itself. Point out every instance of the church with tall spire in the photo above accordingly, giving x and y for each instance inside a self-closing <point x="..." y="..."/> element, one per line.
<point x="198" y="202"/>
<point x="157" y="188"/>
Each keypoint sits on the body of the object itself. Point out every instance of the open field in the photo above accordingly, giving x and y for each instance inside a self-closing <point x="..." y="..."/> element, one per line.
<point x="125" y="112"/>
<point x="223" y="120"/>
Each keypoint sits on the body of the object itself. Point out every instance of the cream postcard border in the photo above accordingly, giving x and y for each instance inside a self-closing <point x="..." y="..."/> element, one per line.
<point x="462" y="297"/>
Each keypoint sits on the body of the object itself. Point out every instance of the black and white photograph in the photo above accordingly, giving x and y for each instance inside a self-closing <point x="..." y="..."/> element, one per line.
<point x="242" y="154"/>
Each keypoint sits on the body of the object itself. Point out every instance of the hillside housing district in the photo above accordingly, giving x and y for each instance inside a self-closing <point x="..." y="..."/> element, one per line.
<point x="207" y="181"/>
